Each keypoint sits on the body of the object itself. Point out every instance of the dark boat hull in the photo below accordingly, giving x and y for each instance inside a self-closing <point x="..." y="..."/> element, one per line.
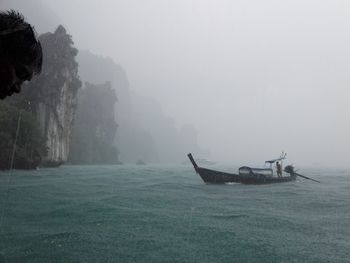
<point x="217" y="177"/>
<point x="267" y="180"/>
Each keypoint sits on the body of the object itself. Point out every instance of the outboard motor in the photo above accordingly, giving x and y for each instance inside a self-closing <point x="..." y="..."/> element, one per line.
<point x="289" y="169"/>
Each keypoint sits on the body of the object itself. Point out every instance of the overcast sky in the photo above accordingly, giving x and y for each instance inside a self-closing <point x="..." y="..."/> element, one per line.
<point x="254" y="77"/>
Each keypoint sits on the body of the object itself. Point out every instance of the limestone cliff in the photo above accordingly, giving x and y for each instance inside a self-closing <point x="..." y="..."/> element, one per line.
<point x="95" y="126"/>
<point x="53" y="94"/>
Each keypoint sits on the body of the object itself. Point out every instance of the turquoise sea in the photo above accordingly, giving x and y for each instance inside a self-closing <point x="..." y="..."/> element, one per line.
<point x="167" y="214"/>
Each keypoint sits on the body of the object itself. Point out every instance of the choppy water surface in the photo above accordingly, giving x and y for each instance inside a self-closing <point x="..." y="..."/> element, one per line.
<point x="167" y="214"/>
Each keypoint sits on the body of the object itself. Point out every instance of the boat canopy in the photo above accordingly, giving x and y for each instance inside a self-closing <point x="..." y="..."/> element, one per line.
<point x="282" y="157"/>
<point x="245" y="170"/>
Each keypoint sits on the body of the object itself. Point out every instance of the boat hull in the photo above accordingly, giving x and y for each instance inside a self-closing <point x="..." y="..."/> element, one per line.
<point x="217" y="177"/>
<point x="267" y="180"/>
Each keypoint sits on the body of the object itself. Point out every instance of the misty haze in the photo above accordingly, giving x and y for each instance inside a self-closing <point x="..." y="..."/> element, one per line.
<point x="95" y="162"/>
<point x="253" y="78"/>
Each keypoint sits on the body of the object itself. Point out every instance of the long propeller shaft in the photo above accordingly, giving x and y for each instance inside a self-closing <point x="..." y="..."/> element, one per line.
<point x="307" y="177"/>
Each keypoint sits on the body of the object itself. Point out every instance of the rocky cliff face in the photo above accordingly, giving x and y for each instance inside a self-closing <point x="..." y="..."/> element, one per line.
<point x="95" y="126"/>
<point x="53" y="95"/>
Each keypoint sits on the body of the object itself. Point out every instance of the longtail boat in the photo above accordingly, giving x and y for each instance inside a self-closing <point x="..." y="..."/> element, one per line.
<point x="246" y="175"/>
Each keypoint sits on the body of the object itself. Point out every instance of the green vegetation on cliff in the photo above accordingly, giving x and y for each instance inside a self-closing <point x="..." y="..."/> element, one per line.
<point x="30" y="146"/>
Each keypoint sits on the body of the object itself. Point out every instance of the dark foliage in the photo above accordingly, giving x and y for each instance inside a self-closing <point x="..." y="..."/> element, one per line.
<point x="59" y="68"/>
<point x="30" y="146"/>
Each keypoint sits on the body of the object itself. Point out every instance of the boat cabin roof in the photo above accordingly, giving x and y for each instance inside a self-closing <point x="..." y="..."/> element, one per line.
<point x="282" y="157"/>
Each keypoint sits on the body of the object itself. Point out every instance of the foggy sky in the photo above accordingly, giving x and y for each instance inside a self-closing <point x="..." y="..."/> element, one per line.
<point x="254" y="77"/>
